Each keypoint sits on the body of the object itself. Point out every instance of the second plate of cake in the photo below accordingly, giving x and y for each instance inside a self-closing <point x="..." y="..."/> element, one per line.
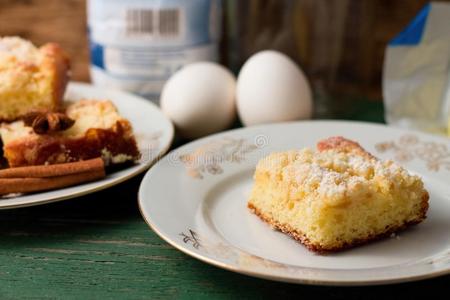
<point x="143" y="136"/>
<point x="263" y="201"/>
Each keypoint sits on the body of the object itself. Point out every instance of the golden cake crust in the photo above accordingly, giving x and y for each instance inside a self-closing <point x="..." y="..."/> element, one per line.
<point x="301" y="237"/>
<point x="33" y="79"/>
<point x="275" y="194"/>
<point x="341" y="144"/>
<point x="57" y="63"/>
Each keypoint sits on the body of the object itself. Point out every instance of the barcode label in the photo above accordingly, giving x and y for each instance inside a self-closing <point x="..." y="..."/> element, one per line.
<point x="153" y="22"/>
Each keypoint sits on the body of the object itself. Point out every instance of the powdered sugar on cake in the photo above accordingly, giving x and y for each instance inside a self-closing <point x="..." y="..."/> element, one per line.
<point x="337" y="196"/>
<point x="336" y="176"/>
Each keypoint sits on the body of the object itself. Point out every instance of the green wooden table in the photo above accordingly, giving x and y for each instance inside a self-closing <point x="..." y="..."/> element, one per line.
<point x="99" y="247"/>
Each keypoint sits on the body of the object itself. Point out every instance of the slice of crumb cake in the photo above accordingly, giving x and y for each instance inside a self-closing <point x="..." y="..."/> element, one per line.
<point x="31" y="78"/>
<point x="337" y="196"/>
<point x="97" y="130"/>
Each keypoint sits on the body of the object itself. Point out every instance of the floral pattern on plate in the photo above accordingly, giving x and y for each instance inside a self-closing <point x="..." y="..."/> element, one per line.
<point x="408" y="147"/>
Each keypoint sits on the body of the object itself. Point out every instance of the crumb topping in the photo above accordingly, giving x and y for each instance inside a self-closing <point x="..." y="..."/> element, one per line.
<point x="17" y="49"/>
<point x="335" y="176"/>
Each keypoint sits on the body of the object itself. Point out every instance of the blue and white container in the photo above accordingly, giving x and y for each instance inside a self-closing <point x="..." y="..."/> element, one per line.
<point x="136" y="45"/>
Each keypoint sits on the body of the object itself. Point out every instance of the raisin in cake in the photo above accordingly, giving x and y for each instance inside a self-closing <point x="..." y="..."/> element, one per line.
<point x="337" y="196"/>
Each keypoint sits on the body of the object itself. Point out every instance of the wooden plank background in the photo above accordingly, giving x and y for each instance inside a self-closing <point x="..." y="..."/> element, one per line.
<point x="41" y="21"/>
<point x="354" y="67"/>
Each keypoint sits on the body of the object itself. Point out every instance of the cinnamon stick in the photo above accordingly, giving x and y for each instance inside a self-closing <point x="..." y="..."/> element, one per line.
<point x="44" y="171"/>
<point x="47" y="177"/>
<point x="30" y="184"/>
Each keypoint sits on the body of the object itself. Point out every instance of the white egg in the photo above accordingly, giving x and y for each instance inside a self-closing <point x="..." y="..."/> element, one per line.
<point x="272" y="88"/>
<point x="200" y="99"/>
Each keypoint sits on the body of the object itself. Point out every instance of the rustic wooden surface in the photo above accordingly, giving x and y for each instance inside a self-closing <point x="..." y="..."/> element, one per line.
<point x="42" y="21"/>
<point x="345" y="63"/>
<point x="99" y="247"/>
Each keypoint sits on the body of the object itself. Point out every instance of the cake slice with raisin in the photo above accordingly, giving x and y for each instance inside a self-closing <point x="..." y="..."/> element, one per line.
<point x="95" y="129"/>
<point x="337" y="196"/>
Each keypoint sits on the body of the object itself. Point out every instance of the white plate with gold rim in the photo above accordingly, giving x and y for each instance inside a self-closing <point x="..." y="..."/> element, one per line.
<point x="153" y="130"/>
<point x="195" y="199"/>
